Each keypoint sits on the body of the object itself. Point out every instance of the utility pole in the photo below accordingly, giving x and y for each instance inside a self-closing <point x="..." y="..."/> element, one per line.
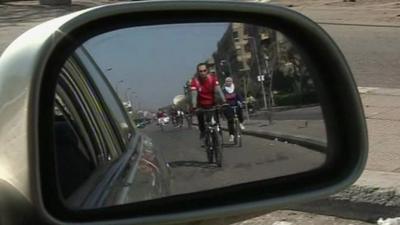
<point x="261" y="79"/>
<point x="270" y="78"/>
<point x="132" y="99"/>
<point x="245" y="96"/>
<point x="260" y="76"/>
<point x="126" y="93"/>
<point x="116" y="87"/>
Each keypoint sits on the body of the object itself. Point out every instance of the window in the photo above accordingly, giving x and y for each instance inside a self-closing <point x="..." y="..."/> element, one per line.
<point x="91" y="128"/>
<point x="248" y="47"/>
<point x="110" y="99"/>
<point x="235" y="34"/>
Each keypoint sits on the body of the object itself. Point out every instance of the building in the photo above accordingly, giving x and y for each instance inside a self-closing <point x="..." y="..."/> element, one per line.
<point x="242" y="53"/>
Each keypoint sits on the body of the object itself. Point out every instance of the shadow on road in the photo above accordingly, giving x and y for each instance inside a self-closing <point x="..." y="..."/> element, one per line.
<point x="231" y="145"/>
<point x="192" y="164"/>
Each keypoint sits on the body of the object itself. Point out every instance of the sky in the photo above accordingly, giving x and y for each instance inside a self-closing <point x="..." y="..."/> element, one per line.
<point x="154" y="61"/>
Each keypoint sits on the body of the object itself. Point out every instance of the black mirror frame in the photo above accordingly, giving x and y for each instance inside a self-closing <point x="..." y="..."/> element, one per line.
<point x="342" y="109"/>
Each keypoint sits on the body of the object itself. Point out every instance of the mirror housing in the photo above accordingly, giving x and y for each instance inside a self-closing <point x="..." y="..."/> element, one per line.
<point x="32" y="63"/>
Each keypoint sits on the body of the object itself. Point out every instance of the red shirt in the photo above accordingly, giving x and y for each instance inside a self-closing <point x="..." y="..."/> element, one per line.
<point x="160" y="114"/>
<point x="205" y="90"/>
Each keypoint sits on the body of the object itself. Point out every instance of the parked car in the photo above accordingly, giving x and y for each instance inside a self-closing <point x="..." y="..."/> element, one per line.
<point x="140" y="123"/>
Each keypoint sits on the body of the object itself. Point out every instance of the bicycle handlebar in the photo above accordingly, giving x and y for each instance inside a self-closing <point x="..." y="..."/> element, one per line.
<point x="216" y="107"/>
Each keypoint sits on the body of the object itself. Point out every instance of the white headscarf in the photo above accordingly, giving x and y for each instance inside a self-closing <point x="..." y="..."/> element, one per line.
<point x="230" y="89"/>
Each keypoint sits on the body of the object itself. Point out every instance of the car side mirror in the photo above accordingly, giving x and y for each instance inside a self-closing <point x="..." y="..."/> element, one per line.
<point x="84" y="83"/>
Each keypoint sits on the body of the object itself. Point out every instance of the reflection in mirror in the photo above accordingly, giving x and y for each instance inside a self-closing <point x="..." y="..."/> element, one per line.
<point x="147" y="112"/>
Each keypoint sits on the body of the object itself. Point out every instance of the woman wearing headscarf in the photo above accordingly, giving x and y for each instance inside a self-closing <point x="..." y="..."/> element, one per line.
<point x="233" y="98"/>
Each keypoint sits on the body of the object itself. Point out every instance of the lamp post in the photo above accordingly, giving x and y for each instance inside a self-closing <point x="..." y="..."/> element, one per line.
<point x="245" y="82"/>
<point x="136" y="101"/>
<point x="131" y="98"/>
<point x="117" y="85"/>
<point x="270" y="77"/>
<point x="126" y="94"/>
<point x="260" y="76"/>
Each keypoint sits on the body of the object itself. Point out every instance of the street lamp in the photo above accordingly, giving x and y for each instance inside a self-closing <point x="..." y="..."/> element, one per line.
<point x="131" y="98"/>
<point x="245" y="82"/>
<point x="117" y="85"/>
<point x="136" y="101"/>
<point x="126" y="94"/>
<point x="270" y="77"/>
<point x="260" y="76"/>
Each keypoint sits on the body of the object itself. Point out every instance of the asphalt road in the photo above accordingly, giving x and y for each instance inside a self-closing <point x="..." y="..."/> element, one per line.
<point x="257" y="159"/>
<point x="373" y="53"/>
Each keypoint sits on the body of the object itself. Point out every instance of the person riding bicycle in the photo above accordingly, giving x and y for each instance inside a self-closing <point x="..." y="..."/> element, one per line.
<point x="233" y="98"/>
<point x="177" y="115"/>
<point x="173" y="115"/>
<point x="205" y="92"/>
<point x="180" y="116"/>
<point x="160" y="116"/>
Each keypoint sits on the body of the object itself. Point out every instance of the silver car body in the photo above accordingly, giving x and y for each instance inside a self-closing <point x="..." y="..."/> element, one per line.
<point x="21" y="66"/>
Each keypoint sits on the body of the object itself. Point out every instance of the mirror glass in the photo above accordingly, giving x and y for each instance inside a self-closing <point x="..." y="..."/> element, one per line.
<point x="147" y="112"/>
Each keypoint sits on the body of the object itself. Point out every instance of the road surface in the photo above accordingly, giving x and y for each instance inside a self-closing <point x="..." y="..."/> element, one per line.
<point x="258" y="159"/>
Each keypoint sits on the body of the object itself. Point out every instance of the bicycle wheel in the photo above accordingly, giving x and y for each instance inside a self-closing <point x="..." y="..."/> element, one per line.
<point x="217" y="143"/>
<point x="209" y="146"/>
<point x="238" y="134"/>
<point x="189" y="121"/>
<point x="236" y="126"/>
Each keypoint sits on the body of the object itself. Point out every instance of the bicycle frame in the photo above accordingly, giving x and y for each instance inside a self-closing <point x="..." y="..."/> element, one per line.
<point x="238" y="131"/>
<point x="213" y="135"/>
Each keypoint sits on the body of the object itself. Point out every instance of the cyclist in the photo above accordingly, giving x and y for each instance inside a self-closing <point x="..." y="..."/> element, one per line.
<point x="173" y="115"/>
<point x="233" y="98"/>
<point x="205" y="92"/>
<point x="160" y="117"/>
<point x="179" y="117"/>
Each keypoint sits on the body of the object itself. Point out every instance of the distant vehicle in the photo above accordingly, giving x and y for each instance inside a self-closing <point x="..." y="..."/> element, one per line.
<point x="141" y="123"/>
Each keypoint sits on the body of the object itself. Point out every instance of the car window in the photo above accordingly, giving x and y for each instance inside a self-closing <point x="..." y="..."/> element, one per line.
<point x="72" y="81"/>
<point x="110" y="99"/>
<point x="90" y="133"/>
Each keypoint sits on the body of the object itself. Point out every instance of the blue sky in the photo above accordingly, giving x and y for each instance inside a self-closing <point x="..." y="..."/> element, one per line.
<point x="155" y="61"/>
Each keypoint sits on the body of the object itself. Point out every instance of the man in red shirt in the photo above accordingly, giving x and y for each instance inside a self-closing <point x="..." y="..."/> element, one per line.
<point x="205" y="92"/>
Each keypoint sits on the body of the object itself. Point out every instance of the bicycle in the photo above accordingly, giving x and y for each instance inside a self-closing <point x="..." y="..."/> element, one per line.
<point x="238" y="130"/>
<point x="213" y="138"/>
<point x="188" y="117"/>
<point x="162" y="122"/>
<point x="179" y="121"/>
